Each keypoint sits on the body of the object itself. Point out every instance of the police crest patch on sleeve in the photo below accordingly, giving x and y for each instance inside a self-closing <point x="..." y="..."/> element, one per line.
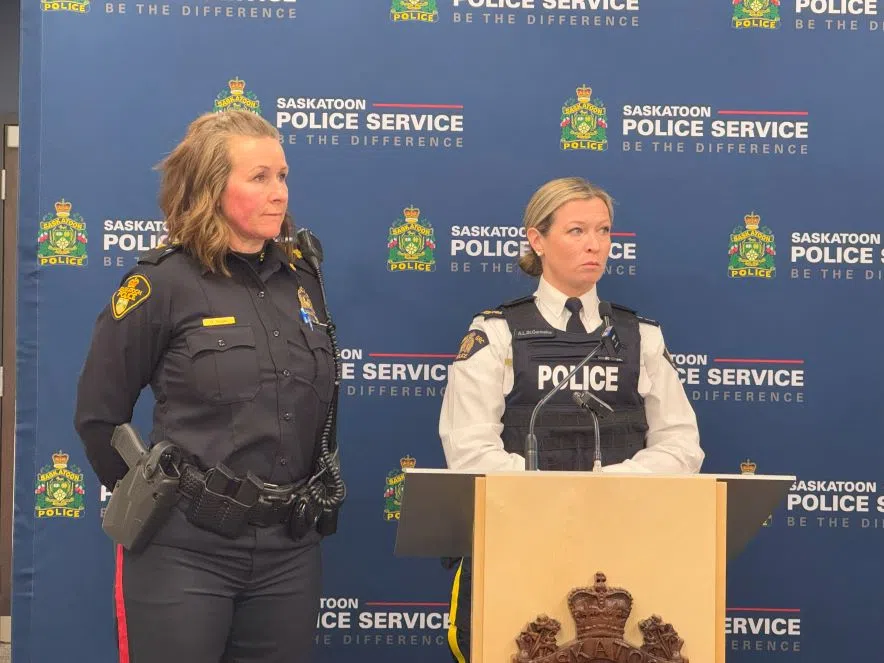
<point x="471" y="344"/>
<point x="133" y="292"/>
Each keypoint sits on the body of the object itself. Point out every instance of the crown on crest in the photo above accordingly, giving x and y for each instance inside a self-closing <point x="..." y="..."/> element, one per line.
<point x="752" y="220"/>
<point x="584" y="93"/>
<point x="412" y="213"/>
<point x="748" y="467"/>
<point x="407" y="462"/>
<point x="600" y="611"/>
<point x="60" y="460"/>
<point x="63" y="208"/>
<point x="237" y="86"/>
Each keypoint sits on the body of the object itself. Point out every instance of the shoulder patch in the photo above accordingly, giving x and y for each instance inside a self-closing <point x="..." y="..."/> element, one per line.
<point x="471" y="344"/>
<point x="128" y="296"/>
<point x="157" y="255"/>
<point x="490" y="313"/>
<point x="516" y="302"/>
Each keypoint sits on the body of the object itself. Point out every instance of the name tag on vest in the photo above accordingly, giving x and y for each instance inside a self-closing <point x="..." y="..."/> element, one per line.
<point x="533" y="333"/>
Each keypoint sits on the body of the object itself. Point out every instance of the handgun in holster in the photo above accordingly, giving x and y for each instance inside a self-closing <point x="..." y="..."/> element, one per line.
<point x="141" y="500"/>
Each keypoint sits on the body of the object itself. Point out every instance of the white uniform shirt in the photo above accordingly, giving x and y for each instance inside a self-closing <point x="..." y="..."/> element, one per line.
<point x="470" y="422"/>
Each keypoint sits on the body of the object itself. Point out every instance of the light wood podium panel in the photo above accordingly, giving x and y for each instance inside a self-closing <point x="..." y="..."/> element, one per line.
<point x="536" y="536"/>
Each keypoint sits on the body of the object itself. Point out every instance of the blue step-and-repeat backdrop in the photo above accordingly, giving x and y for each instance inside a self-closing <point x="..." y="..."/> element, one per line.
<point x="742" y="140"/>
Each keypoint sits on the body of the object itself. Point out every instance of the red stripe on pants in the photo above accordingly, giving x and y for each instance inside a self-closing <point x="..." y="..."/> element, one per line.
<point x="120" y="607"/>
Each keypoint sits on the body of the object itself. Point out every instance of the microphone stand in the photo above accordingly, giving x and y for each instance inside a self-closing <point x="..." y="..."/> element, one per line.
<point x="531" y="439"/>
<point x="589" y="401"/>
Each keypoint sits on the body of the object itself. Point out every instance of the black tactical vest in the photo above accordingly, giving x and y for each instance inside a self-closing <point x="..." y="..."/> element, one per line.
<point x="542" y="357"/>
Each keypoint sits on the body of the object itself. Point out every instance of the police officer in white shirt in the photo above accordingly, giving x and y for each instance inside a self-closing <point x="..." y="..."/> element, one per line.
<point x="514" y="354"/>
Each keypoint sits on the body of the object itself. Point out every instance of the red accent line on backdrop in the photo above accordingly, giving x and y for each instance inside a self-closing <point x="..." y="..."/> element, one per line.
<point x="407" y="603"/>
<point x="453" y="106"/>
<point x="120" y="607"/>
<point x="410" y="355"/>
<point x="622" y="234"/>
<point x="761" y="112"/>
<point x="758" y="361"/>
<point x="763" y="609"/>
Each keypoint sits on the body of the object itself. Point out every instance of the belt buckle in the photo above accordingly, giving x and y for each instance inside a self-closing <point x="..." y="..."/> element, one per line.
<point x="278" y="500"/>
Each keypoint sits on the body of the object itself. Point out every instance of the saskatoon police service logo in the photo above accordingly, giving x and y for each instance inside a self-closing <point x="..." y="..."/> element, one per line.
<point x="237" y="98"/>
<point x="756" y="14"/>
<point x="584" y="122"/>
<point x="62" y="239"/>
<point x="414" y="10"/>
<point x="411" y="243"/>
<point x="395" y="487"/>
<point x="752" y="250"/>
<point x="75" y="6"/>
<point x="59" y="490"/>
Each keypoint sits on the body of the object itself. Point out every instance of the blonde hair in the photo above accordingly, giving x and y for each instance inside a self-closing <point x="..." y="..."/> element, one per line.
<point x="543" y="205"/>
<point x="194" y="176"/>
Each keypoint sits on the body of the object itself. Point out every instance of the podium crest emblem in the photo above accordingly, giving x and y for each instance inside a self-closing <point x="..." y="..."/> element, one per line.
<point x="599" y="613"/>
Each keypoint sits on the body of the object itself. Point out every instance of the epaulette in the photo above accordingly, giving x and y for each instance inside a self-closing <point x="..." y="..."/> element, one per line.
<point x="516" y="302"/>
<point x="490" y="313"/>
<point x="300" y="264"/>
<point x="640" y="318"/>
<point x="623" y="308"/>
<point x="157" y="255"/>
<point x="498" y="312"/>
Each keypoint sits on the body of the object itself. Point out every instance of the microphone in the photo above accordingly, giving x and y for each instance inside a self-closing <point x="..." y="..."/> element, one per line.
<point x="610" y="342"/>
<point x="609" y="335"/>
<point x="310" y="247"/>
<point x="597" y="408"/>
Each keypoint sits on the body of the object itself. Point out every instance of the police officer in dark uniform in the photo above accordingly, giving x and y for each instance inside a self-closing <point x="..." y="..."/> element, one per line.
<point x="227" y="325"/>
<point x="513" y="355"/>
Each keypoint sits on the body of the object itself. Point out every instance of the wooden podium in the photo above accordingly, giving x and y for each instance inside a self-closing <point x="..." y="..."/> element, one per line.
<point x="538" y="539"/>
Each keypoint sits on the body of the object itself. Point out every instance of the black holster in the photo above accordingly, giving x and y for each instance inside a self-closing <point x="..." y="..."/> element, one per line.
<point x="142" y="500"/>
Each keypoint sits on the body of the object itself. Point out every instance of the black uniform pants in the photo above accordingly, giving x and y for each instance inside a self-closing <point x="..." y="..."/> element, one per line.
<point x="192" y="596"/>
<point x="460" y="611"/>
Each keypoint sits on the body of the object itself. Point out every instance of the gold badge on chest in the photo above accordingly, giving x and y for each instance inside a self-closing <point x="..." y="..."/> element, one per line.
<point x="307" y="305"/>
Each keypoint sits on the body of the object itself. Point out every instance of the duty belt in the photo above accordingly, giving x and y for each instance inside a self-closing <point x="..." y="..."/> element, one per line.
<point x="222" y="503"/>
